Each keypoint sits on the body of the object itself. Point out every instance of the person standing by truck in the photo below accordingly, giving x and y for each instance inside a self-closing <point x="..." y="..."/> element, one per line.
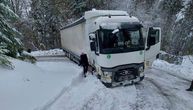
<point x="191" y="87"/>
<point x="84" y="63"/>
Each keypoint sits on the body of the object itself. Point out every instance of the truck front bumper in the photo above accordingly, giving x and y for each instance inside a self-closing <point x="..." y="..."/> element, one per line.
<point x="128" y="82"/>
<point x="123" y="75"/>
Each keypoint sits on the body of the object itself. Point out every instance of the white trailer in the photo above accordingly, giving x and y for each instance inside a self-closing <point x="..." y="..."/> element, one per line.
<point x="114" y="43"/>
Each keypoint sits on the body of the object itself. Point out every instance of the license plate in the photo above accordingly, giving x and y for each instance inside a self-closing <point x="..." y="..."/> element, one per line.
<point x="122" y="78"/>
<point x="130" y="77"/>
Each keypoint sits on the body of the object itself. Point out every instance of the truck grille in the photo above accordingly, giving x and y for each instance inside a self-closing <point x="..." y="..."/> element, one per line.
<point x="126" y="74"/>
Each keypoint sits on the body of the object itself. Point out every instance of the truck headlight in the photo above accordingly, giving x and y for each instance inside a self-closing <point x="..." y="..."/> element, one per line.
<point x="107" y="73"/>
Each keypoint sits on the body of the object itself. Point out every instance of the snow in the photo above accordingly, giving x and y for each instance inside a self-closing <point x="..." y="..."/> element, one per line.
<point x="185" y="70"/>
<point x="52" y="52"/>
<point x="180" y="15"/>
<point x="48" y="84"/>
<point x="90" y="94"/>
<point x="59" y="85"/>
<point x="95" y="13"/>
<point x="172" y="90"/>
<point x="29" y="86"/>
<point x="78" y="95"/>
<point x="187" y="61"/>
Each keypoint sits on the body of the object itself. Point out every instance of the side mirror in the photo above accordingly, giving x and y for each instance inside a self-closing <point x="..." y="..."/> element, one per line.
<point x="92" y="36"/>
<point x="92" y="46"/>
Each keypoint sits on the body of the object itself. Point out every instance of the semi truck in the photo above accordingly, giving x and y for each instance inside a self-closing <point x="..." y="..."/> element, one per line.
<point x="115" y="43"/>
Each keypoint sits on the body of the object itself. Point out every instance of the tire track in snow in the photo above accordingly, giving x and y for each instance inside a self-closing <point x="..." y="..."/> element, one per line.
<point x="173" y="89"/>
<point x="170" y="86"/>
<point x="119" y="98"/>
<point x="124" y="97"/>
<point x="99" y="100"/>
<point x="75" y="82"/>
<point x="147" y="90"/>
<point x="86" y="98"/>
<point x="163" y="93"/>
<point x="172" y="98"/>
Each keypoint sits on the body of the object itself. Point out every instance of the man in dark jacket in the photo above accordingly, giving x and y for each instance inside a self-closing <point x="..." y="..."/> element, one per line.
<point x="84" y="63"/>
<point x="191" y="87"/>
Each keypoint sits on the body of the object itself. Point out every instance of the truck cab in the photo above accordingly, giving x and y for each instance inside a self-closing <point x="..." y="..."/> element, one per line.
<point x="119" y="52"/>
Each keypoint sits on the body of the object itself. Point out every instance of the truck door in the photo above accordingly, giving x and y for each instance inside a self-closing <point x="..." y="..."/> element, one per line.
<point x="153" y="44"/>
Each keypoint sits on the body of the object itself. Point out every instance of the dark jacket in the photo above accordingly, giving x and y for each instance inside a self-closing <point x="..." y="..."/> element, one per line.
<point x="83" y="60"/>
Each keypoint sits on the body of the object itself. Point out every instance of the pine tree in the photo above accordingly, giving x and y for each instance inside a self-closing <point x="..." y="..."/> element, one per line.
<point x="9" y="41"/>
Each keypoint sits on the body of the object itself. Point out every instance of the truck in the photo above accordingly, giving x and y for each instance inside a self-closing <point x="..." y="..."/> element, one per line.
<point x="117" y="47"/>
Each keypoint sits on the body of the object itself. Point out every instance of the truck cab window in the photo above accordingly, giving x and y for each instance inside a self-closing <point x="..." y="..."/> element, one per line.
<point x="153" y="37"/>
<point x="124" y="40"/>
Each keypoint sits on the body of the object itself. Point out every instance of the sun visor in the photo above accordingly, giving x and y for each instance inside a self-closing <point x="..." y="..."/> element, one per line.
<point x="130" y="26"/>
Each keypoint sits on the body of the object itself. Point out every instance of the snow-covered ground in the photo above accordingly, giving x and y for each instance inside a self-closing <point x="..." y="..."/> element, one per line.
<point x="185" y="70"/>
<point x="30" y="86"/>
<point x="59" y="85"/>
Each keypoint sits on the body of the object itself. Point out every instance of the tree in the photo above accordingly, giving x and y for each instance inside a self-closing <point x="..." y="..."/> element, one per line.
<point x="183" y="33"/>
<point x="9" y="36"/>
<point x="46" y="23"/>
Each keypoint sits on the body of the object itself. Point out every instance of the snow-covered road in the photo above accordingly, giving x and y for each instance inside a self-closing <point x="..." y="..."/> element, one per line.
<point x="172" y="88"/>
<point x="159" y="91"/>
<point x="57" y="84"/>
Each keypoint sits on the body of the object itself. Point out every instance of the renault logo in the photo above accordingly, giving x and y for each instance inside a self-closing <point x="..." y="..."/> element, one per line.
<point x="125" y="72"/>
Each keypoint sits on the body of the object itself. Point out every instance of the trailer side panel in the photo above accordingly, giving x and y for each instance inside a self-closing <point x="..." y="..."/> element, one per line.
<point x="73" y="39"/>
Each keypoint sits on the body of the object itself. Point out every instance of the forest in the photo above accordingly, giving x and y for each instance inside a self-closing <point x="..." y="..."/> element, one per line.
<point x="35" y="24"/>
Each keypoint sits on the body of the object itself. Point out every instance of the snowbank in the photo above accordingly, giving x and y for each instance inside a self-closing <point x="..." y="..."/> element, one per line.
<point x="185" y="70"/>
<point x="52" y="52"/>
<point x="187" y="61"/>
<point x="30" y="86"/>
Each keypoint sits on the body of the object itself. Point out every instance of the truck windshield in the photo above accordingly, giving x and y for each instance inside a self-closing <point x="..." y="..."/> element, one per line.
<point x="122" y="41"/>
